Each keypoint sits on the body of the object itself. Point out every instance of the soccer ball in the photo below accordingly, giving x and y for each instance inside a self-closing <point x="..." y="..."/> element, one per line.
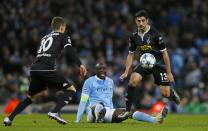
<point x="147" y="60"/>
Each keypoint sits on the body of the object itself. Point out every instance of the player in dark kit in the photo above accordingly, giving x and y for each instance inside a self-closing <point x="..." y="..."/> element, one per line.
<point x="44" y="72"/>
<point x="148" y="40"/>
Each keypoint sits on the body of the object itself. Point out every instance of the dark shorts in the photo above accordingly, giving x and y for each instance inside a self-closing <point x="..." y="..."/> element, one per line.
<point x="158" y="71"/>
<point x="40" y="80"/>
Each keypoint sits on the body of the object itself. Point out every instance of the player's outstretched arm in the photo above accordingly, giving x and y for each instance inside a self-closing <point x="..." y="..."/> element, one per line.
<point x="83" y="100"/>
<point x="129" y="62"/>
<point x="81" y="108"/>
<point x="168" y="67"/>
<point x="73" y="57"/>
<point x="83" y="70"/>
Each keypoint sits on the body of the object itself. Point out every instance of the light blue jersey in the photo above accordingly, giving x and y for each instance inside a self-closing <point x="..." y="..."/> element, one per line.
<point x="94" y="91"/>
<point x="98" y="90"/>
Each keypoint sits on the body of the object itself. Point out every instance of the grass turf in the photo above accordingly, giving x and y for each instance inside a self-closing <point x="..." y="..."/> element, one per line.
<point x="40" y="122"/>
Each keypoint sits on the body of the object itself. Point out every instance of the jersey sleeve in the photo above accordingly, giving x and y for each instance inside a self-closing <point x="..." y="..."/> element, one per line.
<point x="161" y="43"/>
<point x="70" y="51"/>
<point x="66" y="41"/>
<point x="132" y="44"/>
<point x="85" y="91"/>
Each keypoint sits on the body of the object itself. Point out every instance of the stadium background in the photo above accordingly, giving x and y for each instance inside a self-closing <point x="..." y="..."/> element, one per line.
<point x="100" y="30"/>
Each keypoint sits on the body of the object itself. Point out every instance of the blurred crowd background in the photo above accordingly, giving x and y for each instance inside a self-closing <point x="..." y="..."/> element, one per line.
<point x="99" y="30"/>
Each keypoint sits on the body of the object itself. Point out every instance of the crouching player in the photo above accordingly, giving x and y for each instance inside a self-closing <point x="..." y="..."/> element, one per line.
<point x="98" y="92"/>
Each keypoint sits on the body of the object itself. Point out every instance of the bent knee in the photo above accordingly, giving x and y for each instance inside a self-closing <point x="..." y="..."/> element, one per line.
<point x="135" y="80"/>
<point x="165" y="91"/>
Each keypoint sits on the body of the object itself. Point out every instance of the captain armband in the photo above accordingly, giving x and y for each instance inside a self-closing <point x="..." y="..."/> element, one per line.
<point x="84" y="98"/>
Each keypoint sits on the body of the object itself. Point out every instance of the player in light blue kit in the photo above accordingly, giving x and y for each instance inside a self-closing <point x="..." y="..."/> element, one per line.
<point x="98" y="92"/>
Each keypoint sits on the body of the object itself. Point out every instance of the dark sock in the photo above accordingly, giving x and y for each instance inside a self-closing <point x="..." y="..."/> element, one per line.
<point x="20" y="107"/>
<point x="63" y="99"/>
<point x="129" y="98"/>
<point x="58" y="106"/>
<point x="172" y="96"/>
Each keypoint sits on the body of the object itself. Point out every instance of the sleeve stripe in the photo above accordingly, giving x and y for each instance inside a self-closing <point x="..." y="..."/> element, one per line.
<point x="131" y="52"/>
<point x="66" y="45"/>
<point x="84" y="98"/>
<point x="163" y="50"/>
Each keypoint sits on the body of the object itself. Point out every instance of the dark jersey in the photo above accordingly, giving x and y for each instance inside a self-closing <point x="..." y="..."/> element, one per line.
<point x="151" y="42"/>
<point x="50" y="48"/>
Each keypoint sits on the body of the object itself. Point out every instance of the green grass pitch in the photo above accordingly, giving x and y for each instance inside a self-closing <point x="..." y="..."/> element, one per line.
<point x="40" y="122"/>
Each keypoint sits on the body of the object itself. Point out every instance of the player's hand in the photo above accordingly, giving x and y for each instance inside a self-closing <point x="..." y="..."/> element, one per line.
<point x="170" y="77"/>
<point x="83" y="70"/>
<point x="123" y="76"/>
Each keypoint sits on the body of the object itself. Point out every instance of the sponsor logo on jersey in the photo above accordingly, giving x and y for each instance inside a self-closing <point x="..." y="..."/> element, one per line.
<point x="146" y="47"/>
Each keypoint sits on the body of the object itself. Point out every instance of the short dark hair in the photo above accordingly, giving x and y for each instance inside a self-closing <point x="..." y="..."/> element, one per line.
<point x="141" y="13"/>
<point x="56" y="22"/>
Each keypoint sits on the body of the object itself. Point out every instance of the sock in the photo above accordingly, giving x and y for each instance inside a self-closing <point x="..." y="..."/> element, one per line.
<point x="172" y="96"/>
<point x="140" y="116"/>
<point x="129" y="98"/>
<point x="63" y="99"/>
<point x="20" y="107"/>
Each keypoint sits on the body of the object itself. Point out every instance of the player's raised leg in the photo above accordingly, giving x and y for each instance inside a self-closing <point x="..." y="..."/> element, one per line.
<point x="36" y="85"/>
<point x="160" y="77"/>
<point x="20" y="107"/>
<point x="170" y="93"/>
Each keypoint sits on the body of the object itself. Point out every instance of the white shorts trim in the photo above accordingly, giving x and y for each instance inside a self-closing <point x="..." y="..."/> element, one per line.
<point x="163" y="50"/>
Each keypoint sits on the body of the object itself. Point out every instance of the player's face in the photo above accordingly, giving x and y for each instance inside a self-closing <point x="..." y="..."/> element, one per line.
<point x="141" y="23"/>
<point x="101" y="71"/>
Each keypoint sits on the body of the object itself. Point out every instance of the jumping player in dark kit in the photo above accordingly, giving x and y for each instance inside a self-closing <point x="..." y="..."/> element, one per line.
<point x="148" y="40"/>
<point x="44" y="72"/>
